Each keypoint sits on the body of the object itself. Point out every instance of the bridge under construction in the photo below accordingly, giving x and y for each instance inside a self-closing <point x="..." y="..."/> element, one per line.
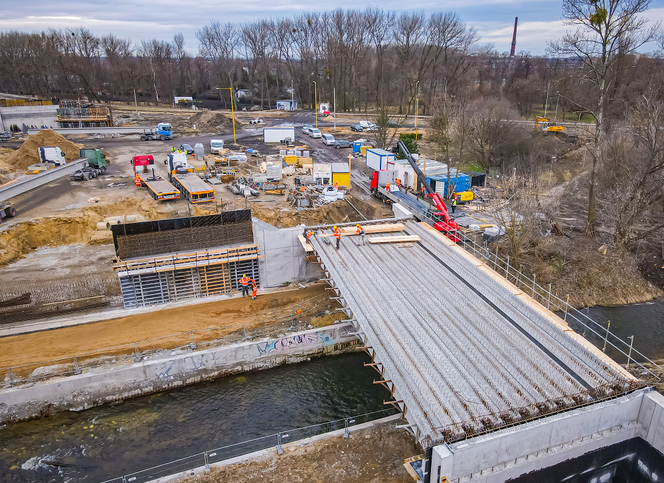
<point x="461" y="350"/>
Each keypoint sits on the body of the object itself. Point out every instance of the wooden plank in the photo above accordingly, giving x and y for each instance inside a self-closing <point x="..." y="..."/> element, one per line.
<point x="369" y="229"/>
<point x="394" y="239"/>
<point x="307" y="248"/>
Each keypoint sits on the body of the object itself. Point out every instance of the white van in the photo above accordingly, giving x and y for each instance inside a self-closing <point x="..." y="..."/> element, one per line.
<point x="314" y="133"/>
<point x="216" y="145"/>
<point x="327" y="139"/>
<point x="366" y="124"/>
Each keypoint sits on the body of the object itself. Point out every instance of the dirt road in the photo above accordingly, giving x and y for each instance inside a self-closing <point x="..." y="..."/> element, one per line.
<point x="232" y="314"/>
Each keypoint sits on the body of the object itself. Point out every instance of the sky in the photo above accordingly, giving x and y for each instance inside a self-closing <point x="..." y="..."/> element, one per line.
<point x="539" y="20"/>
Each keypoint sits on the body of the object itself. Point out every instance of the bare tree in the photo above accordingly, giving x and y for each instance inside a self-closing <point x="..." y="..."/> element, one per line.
<point x="606" y="31"/>
<point x="489" y="126"/>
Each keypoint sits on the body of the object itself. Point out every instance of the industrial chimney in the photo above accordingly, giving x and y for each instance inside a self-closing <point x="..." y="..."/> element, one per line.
<point x="516" y="21"/>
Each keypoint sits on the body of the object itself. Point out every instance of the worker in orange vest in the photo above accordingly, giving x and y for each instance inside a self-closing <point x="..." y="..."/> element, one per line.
<point x="254" y="290"/>
<point x="337" y="235"/>
<point x="302" y="189"/>
<point x="244" y="283"/>
<point x="398" y="182"/>
<point x="137" y="179"/>
<point x="360" y="233"/>
<point x="310" y="233"/>
<point x="336" y="185"/>
<point x="387" y="187"/>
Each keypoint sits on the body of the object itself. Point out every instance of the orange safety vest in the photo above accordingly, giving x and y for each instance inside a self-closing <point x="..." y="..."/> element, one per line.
<point x="359" y="230"/>
<point x="398" y="181"/>
<point x="309" y="233"/>
<point x="336" y="185"/>
<point x="387" y="186"/>
<point x="337" y="233"/>
<point x="253" y="288"/>
<point x="244" y="281"/>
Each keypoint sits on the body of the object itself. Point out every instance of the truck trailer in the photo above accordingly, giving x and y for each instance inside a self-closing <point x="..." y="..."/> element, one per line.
<point x="162" y="132"/>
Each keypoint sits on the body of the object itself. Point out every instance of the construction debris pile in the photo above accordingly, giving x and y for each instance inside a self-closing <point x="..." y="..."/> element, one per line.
<point x="209" y="122"/>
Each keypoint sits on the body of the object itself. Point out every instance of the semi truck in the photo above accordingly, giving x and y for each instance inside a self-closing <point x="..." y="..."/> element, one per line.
<point x="158" y="187"/>
<point x="162" y="132"/>
<point x="96" y="165"/>
<point x="50" y="157"/>
<point x="181" y="175"/>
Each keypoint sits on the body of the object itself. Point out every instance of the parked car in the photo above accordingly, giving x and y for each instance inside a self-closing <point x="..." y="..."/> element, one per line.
<point x="356" y="128"/>
<point x="315" y="133"/>
<point x="328" y="139"/>
<point x="306" y="128"/>
<point x="186" y="148"/>
<point x="372" y="128"/>
<point x="392" y="123"/>
<point x="342" y="143"/>
<point x="366" y="124"/>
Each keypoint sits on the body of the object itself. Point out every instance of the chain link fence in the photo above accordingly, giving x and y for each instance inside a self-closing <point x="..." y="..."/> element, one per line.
<point x="296" y="318"/>
<point x="276" y="440"/>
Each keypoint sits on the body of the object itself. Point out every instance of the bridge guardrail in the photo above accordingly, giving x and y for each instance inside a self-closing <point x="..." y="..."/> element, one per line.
<point x="552" y="302"/>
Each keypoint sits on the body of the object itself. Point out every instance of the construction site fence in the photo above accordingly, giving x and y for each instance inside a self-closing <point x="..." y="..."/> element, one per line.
<point x="544" y="295"/>
<point x="29" y="300"/>
<point x="277" y="441"/>
<point x="192" y="340"/>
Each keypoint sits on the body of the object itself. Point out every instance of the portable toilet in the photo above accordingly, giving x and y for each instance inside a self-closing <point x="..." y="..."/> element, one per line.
<point x="357" y="147"/>
<point x="199" y="151"/>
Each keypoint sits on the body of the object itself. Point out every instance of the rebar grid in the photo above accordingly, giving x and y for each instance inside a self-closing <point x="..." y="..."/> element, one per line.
<point x="461" y="360"/>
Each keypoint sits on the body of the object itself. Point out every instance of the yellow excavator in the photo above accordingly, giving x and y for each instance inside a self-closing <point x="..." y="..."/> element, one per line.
<point x="543" y="124"/>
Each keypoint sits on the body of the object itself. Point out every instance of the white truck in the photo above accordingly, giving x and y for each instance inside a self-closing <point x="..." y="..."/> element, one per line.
<point x="216" y="146"/>
<point x="50" y="157"/>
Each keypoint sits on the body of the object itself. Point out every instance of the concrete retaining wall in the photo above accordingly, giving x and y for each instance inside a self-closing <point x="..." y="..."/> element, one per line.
<point x="93" y="389"/>
<point x="284" y="256"/>
<point x="509" y="453"/>
<point x="37" y="116"/>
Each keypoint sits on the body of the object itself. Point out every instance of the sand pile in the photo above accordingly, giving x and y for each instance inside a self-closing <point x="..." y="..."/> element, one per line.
<point x="209" y="121"/>
<point x="28" y="153"/>
<point x="5" y="167"/>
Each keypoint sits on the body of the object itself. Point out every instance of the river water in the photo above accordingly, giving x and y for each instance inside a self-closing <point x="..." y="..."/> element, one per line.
<point x="644" y="321"/>
<point x="110" y="441"/>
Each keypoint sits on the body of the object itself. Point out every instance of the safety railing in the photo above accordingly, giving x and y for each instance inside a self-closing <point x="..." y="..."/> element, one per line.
<point x="276" y="440"/>
<point x="554" y="303"/>
<point x="182" y="341"/>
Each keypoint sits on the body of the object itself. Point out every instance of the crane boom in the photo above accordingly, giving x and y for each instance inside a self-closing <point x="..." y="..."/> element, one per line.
<point x="449" y="226"/>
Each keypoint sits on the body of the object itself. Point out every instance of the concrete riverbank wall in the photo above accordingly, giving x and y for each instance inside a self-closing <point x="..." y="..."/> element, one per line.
<point x="83" y="391"/>
<point x="509" y="453"/>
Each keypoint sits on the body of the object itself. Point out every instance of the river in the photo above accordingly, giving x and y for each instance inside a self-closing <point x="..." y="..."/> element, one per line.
<point x="644" y="321"/>
<point x="110" y="441"/>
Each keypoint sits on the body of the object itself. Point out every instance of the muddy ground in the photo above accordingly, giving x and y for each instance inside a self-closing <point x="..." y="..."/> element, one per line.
<point x="268" y="311"/>
<point x="373" y="455"/>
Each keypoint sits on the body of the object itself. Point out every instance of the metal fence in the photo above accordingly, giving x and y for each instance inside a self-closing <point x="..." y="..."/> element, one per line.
<point x="554" y="303"/>
<point x="276" y="440"/>
<point x="191" y="340"/>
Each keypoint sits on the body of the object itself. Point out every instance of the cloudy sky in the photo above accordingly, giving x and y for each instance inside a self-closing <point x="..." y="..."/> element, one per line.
<point x="539" y="20"/>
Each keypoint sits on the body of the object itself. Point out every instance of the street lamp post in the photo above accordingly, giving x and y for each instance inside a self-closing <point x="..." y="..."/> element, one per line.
<point x="316" y="102"/>
<point x="232" y="111"/>
<point x="417" y="105"/>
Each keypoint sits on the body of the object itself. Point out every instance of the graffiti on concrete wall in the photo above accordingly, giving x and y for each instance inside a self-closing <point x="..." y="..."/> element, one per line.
<point x="303" y="341"/>
<point x="242" y="353"/>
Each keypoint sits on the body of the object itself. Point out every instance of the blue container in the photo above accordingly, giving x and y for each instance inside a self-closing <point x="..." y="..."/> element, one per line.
<point x="462" y="182"/>
<point x="356" y="146"/>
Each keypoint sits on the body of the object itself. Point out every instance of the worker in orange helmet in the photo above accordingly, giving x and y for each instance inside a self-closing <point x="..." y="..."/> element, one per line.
<point x="244" y="283"/>
<point x="137" y="180"/>
<point x="336" y="185"/>
<point x="387" y="187"/>
<point x="360" y="233"/>
<point x="310" y="233"/>
<point x="398" y="182"/>
<point x="337" y="235"/>
<point x="254" y="290"/>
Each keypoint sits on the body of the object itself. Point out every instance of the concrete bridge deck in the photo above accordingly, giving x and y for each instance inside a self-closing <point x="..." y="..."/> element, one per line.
<point x="462" y="350"/>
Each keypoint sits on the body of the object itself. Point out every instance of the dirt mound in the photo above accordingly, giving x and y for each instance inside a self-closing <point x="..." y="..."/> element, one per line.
<point x="337" y="212"/>
<point x="28" y="154"/>
<point x="210" y="121"/>
<point x="5" y="167"/>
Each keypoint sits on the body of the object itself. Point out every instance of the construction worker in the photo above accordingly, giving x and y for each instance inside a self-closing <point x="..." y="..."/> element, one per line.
<point x="454" y="204"/>
<point x="310" y="233"/>
<point x="302" y="189"/>
<point x="244" y="283"/>
<point x="172" y="149"/>
<point x="387" y="187"/>
<point x="254" y="290"/>
<point x="137" y="179"/>
<point x="337" y="235"/>
<point x="336" y="185"/>
<point x="398" y="182"/>
<point x="360" y="233"/>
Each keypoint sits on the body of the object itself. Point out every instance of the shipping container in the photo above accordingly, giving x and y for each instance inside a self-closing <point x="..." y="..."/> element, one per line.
<point x="377" y="159"/>
<point x="439" y="183"/>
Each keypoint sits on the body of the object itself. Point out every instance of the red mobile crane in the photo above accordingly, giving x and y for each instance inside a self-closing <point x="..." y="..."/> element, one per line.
<point x="448" y="226"/>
